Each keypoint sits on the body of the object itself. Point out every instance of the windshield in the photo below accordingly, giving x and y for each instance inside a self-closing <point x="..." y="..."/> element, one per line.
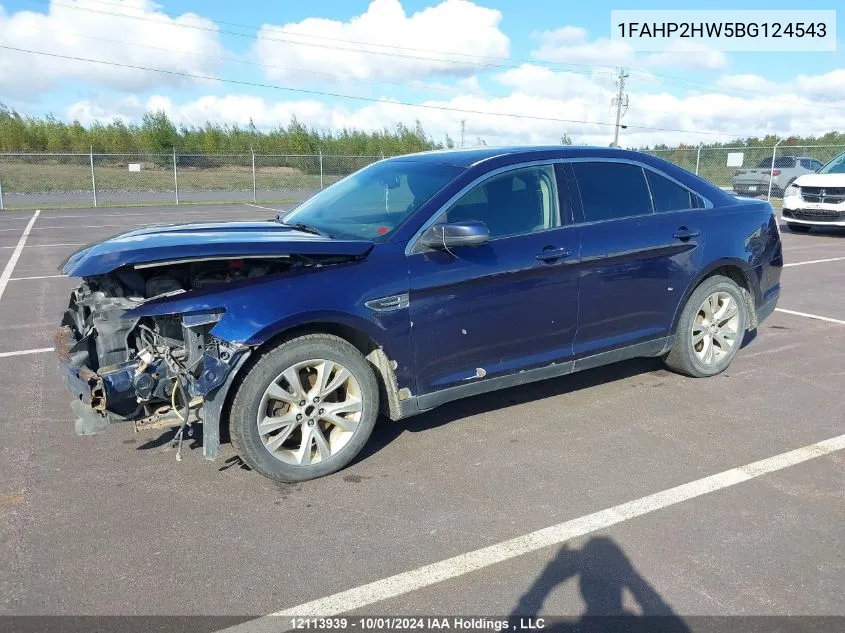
<point x="372" y="202"/>
<point x="836" y="166"/>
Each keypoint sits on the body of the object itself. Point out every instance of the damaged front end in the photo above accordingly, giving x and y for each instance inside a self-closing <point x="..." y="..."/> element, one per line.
<point x="154" y="371"/>
<point x="136" y="342"/>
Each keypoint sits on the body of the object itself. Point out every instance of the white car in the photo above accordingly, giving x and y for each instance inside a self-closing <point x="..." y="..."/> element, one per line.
<point x="816" y="199"/>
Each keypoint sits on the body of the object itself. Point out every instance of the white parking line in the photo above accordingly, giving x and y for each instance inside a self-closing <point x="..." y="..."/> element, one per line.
<point x="130" y="226"/>
<point x="152" y="211"/>
<point x="811" y="316"/>
<point x="47" y="245"/>
<point x="816" y="261"/>
<point x="462" y="564"/>
<point x="23" y="352"/>
<point x="258" y="206"/>
<point x="16" y="254"/>
<point x="37" y="277"/>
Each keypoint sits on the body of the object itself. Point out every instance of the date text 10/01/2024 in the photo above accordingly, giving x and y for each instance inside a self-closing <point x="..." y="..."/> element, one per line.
<point x="417" y="623"/>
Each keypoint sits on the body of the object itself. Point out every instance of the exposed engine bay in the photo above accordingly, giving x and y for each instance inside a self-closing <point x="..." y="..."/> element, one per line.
<point x="153" y="371"/>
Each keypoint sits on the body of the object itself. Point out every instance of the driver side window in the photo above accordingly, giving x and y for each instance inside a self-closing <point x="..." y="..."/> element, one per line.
<point x="513" y="203"/>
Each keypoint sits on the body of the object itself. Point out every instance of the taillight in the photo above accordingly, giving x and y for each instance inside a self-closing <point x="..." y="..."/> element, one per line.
<point x="776" y="172"/>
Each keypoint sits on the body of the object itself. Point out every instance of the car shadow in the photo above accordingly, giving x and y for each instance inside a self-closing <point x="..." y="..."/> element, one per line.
<point x="386" y="431"/>
<point x="604" y="573"/>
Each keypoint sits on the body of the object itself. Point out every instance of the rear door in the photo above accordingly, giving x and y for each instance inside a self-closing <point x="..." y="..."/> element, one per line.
<point x="512" y="304"/>
<point x="640" y="237"/>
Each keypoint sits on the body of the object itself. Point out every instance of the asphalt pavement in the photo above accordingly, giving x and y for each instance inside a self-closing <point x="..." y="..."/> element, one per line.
<point x="114" y="525"/>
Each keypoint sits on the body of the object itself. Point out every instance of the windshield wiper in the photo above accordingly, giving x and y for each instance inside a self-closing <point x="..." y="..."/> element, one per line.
<point x="307" y="228"/>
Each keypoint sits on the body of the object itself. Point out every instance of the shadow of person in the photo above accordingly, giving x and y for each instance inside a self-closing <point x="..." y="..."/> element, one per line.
<point x="604" y="573"/>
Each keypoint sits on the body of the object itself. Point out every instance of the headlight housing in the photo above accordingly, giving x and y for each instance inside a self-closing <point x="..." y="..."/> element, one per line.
<point x="792" y="190"/>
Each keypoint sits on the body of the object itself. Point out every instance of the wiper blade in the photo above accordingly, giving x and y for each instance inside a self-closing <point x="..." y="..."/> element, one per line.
<point x="307" y="228"/>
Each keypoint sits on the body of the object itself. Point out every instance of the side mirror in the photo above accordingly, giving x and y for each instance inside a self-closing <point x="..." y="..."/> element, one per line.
<point x="469" y="233"/>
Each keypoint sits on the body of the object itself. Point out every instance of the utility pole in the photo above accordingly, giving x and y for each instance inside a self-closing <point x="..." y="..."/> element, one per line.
<point x="463" y="129"/>
<point x="621" y="101"/>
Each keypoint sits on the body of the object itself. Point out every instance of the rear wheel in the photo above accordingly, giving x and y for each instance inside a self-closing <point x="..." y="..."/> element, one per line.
<point x="798" y="228"/>
<point x="710" y="330"/>
<point x="305" y="409"/>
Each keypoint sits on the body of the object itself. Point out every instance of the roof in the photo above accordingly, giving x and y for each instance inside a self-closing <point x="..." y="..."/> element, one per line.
<point x="469" y="157"/>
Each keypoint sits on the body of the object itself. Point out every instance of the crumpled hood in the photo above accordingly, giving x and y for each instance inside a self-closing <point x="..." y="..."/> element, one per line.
<point x="200" y="241"/>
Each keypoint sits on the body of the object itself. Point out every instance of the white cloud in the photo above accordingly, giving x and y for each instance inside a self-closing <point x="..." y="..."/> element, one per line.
<point x="535" y="91"/>
<point x="572" y="45"/>
<point x="68" y="31"/>
<point x="688" y="55"/>
<point x="826" y="87"/>
<point x="469" y="29"/>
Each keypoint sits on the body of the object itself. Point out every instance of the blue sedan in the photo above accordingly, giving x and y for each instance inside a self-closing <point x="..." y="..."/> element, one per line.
<point x="409" y="284"/>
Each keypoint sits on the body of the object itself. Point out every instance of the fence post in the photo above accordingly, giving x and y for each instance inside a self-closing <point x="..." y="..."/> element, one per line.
<point x="93" y="180"/>
<point x="1" y="196"/>
<point x="772" y="170"/>
<point x="698" y="158"/>
<point x="321" y="169"/>
<point x="175" y="177"/>
<point x="254" y="194"/>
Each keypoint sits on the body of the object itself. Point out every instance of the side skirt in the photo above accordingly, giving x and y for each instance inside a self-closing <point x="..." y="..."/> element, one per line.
<point x="425" y="402"/>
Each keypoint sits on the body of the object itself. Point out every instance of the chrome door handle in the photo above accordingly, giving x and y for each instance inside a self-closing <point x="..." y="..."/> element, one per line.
<point x="684" y="233"/>
<point x="552" y="254"/>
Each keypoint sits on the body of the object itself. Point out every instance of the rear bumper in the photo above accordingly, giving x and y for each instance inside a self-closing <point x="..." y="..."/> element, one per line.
<point x="765" y="309"/>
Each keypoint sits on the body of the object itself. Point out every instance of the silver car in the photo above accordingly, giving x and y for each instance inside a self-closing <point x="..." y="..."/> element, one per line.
<point x="753" y="182"/>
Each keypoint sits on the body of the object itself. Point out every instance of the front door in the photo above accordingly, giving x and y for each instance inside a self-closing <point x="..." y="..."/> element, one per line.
<point x="512" y="304"/>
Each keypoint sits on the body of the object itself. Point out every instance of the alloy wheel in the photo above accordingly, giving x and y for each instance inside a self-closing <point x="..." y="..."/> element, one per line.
<point x="309" y="412"/>
<point x="715" y="328"/>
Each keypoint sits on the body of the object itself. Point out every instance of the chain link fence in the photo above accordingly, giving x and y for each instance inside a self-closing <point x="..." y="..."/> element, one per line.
<point x="751" y="171"/>
<point x="29" y="180"/>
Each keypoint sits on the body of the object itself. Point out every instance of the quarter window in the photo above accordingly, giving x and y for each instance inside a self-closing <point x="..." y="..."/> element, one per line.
<point x="670" y="196"/>
<point x="514" y="203"/>
<point x="611" y="190"/>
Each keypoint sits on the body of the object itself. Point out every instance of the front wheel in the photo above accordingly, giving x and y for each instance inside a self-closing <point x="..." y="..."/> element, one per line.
<point x="710" y="330"/>
<point x="305" y="409"/>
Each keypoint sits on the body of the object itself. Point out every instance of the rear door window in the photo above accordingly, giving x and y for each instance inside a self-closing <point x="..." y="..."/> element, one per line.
<point x="670" y="196"/>
<point x="611" y="190"/>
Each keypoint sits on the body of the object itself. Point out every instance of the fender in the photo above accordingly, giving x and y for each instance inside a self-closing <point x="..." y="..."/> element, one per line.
<point x="732" y="262"/>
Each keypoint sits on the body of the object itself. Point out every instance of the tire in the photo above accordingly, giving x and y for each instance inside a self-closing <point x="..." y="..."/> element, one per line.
<point x="281" y="453"/>
<point x="798" y="228"/>
<point x="694" y="359"/>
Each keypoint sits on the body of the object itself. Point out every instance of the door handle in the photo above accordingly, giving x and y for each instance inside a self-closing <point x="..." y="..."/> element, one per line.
<point x="683" y="233"/>
<point x="552" y="254"/>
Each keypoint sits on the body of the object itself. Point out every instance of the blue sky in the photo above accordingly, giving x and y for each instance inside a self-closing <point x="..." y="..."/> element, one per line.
<point x="540" y="59"/>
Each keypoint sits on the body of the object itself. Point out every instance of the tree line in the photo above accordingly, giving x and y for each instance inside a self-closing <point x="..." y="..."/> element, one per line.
<point x="156" y="133"/>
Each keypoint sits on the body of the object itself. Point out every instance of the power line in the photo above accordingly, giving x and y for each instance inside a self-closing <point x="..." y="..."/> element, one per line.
<point x="153" y="15"/>
<point x="149" y="18"/>
<point x="404" y="84"/>
<point x="427" y="106"/>
<point x="644" y="75"/>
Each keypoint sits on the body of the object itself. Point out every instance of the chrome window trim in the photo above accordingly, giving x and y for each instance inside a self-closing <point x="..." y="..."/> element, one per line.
<point x="409" y="248"/>
<point x="708" y="204"/>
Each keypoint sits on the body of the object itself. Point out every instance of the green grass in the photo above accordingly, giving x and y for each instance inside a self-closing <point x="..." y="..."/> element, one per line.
<point x="43" y="177"/>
